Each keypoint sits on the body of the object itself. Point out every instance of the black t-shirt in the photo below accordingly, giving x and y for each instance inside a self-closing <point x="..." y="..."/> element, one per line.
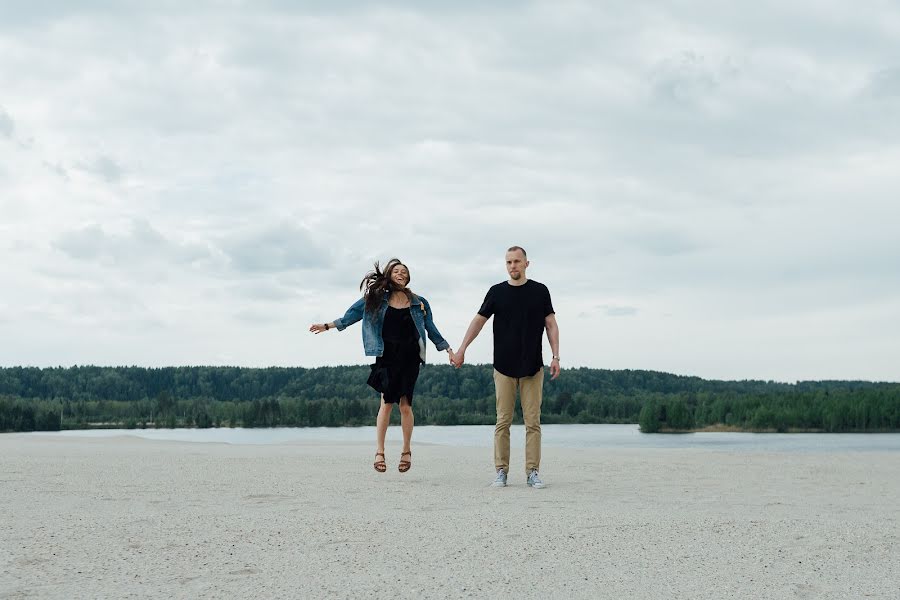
<point x="519" y="312"/>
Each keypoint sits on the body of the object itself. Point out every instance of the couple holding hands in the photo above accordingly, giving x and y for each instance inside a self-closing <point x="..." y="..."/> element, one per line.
<point x="396" y="323"/>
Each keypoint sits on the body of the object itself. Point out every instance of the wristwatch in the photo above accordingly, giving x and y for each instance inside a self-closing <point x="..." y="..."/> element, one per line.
<point x="555" y="358"/>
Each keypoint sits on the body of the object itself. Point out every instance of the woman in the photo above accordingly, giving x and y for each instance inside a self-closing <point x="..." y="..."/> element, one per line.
<point x="395" y="323"/>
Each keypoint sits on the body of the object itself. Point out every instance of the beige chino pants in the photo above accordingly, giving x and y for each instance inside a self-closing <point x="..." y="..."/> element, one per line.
<point x="530" y="392"/>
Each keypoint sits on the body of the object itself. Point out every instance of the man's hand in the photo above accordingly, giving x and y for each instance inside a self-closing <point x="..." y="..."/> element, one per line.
<point x="471" y="333"/>
<point x="554" y="369"/>
<point x="553" y="337"/>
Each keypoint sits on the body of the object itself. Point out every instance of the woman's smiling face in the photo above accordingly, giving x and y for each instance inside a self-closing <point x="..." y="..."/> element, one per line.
<point x="400" y="275"/>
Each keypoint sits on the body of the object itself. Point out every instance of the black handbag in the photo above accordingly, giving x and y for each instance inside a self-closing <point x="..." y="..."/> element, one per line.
<point x="378" y="378"/>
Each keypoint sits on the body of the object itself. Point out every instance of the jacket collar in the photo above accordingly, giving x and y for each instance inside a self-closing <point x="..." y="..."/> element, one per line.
<point x="415" y="300"/>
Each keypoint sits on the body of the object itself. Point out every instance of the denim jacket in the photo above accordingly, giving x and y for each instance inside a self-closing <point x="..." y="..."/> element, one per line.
<point x="373" y="343"/>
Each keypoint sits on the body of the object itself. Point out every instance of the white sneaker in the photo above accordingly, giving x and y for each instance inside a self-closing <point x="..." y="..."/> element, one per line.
<point x="534" y="480"/>
<point x="501" y="479"/>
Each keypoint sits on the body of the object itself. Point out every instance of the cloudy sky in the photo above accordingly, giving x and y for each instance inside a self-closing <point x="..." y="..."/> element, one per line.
<point x="707" y="188"/>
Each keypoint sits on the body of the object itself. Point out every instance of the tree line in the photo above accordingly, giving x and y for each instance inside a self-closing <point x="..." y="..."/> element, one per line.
<point x="34" y="399"/>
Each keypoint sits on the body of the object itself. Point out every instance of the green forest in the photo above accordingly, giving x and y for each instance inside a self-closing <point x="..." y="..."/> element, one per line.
<point x="80" y="397"/>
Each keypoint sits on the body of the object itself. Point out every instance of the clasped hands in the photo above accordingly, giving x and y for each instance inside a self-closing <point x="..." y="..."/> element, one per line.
<point x="456" y="358"/>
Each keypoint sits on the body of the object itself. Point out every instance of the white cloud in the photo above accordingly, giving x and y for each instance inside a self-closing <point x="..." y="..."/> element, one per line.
<point x="6" y="124"/>
<point x="279" y="248"/>
<point x="105" y="168"/>
<point x="706" y="190"/>
<point x="139" y="244"/>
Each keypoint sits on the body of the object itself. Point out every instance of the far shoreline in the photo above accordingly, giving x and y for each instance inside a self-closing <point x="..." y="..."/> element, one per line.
<point x="733" y="429"/>
<point x="718" y="428"/>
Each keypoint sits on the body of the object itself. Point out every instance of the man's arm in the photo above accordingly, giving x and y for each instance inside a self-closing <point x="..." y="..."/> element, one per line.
<point x="471" y="333"/>
<point x="553" y="335"/>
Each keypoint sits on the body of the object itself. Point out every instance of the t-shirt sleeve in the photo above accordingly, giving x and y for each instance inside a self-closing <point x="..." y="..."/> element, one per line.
<point x="548" y="305"/>
<point x="487" y="307"/>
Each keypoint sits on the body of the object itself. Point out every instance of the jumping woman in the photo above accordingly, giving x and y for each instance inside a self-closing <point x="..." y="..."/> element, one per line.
<point x="395" y="324"/>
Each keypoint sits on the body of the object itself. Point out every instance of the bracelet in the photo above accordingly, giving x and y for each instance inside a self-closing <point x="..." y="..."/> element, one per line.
<point x="326" y="326"/>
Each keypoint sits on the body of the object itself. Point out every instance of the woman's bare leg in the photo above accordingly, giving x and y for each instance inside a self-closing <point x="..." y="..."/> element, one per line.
<point x="381" y="423"/>
<point x="407" y="420"/>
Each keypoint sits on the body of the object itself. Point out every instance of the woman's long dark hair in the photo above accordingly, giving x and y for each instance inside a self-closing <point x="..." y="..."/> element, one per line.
<point x="378" y="282"/>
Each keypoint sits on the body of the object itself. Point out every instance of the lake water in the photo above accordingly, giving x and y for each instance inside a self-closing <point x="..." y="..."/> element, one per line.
<point x="563" y="436"/>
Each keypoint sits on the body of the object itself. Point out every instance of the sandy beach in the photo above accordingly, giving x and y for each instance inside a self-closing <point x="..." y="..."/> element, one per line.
<point x="135" y="518"/>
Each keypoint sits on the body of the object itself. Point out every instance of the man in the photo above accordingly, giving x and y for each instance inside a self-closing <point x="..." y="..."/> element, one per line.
<point x="522" y="312"/>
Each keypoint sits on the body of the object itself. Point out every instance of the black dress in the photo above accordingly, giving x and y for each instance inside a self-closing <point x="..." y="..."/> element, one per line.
<point x="397" y="369"/>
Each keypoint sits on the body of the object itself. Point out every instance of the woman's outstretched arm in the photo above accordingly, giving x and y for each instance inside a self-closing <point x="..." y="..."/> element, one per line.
<point x="432" y="331"/>
<point x="320" y="327"/>
<point x="353" y="314"/>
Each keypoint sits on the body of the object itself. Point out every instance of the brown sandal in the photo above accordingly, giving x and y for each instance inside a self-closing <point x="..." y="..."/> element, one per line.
<point x="380" y="465"/>
<point x="404" y="465"/>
